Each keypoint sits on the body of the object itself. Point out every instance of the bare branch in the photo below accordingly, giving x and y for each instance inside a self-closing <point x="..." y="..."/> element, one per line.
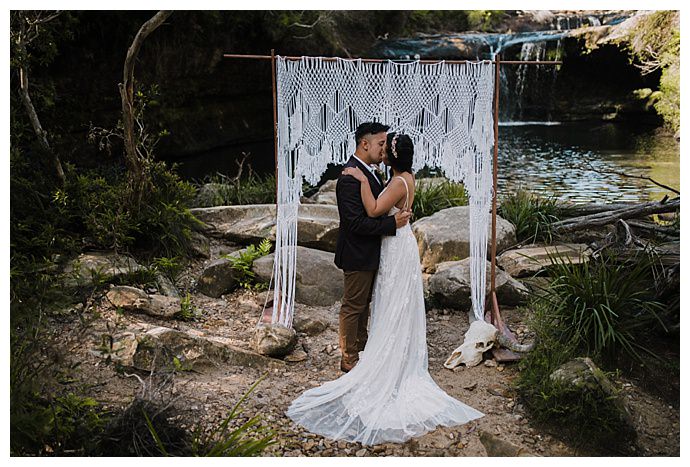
<point x="623" y="174"/>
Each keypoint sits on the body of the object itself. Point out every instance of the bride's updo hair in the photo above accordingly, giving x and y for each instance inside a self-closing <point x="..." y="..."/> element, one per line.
<point x="400" y="154"/>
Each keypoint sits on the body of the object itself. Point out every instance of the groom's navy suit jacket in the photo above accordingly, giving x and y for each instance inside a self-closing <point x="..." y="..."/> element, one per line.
<point x="359" y="237"/>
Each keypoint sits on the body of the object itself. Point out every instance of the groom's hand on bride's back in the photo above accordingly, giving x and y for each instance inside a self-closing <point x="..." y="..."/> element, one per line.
<point x="402" y="217"/>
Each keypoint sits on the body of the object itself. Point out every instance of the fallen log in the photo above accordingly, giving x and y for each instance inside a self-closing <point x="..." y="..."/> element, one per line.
<point x="609" y="217"/>
<point x="580" y="209"/>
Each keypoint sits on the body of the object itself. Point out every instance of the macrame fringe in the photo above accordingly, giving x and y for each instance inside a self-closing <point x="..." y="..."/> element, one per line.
<point x="445" y="108"/>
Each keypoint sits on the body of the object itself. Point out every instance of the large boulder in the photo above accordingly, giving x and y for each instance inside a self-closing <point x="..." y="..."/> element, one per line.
<point x="148" y="347"/>
<point x="200" y="245"/>
<point x="445" y="236"/>
<point x="159" y="347"/>
<point x="450" y="286"/>
<point x="319" y="282"/>
<point x="582" y="375"/>
<point x="136" y="300"/>
<point x="314" y="320"/>
<point x="317" y="225"/>
<point x="219" y="277"/>
<point x="98" y="266"/>
<point x="325" y="195"/>
<point x="526" y="261"/>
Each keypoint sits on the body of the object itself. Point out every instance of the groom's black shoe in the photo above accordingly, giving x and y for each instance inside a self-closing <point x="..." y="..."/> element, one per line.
<point x="345" y="367"/>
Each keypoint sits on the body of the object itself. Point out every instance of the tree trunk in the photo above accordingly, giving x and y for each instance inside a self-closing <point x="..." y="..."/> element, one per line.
<point x="132" y="156"/>
<point x="609" y="217"/>
<point x="41" y="134"/>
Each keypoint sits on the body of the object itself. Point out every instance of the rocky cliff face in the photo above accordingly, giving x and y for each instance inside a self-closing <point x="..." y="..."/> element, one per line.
<point x="220" y="107"/>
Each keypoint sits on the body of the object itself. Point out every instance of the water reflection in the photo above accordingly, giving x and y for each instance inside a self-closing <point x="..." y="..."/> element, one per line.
<point x="550" y="159"/>
<point x="575" y="161"/>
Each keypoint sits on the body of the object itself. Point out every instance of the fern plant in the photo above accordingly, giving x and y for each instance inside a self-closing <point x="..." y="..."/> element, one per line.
<point x="243" y="263"/>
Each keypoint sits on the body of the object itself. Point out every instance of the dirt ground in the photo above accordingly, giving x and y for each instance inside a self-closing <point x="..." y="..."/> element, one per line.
<point x="206" y="396"/>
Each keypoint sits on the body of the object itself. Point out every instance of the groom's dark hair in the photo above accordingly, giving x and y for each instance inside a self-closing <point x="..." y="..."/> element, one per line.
<point x="369" y="128"/>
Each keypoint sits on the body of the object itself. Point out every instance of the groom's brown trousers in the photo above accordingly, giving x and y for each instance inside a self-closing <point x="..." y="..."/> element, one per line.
<point x="354" y="314"/>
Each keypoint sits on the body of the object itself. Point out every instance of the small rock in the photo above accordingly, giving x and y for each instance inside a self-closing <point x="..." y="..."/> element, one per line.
<point x="274" y="340"/>
<point x="490" y="363"/>
<point x="361" y="453"/>
<point x="470" y="387"/>
<point x="498" y="390"/>
<point x="296" y="356"/>
<point x="496" y="447"/>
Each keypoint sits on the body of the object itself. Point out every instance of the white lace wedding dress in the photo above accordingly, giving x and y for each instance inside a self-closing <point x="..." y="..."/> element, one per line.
<point x="389" y="395"/>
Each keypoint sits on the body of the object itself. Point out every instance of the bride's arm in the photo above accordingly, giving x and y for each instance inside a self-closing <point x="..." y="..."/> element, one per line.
<point x="377" y="207"/>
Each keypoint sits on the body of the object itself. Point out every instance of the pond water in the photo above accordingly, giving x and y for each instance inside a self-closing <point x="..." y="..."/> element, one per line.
<point x="548" y="158"/>
<point x="578" y="161"/>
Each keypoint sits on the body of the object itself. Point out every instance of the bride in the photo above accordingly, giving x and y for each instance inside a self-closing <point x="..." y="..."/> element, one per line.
<point x="389" y="395"/>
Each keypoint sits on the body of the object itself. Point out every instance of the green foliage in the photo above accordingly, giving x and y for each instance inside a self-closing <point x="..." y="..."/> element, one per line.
<point x="531" y="215"/>
<point x="165" y="222"/>
<point x="484" y="20"/>
<point x="95" y="204"/>
<point x="431" y="197"/>
<point x="668" y="105"/>
<point x="63" y="426"/>
<point x="435" y="20"/>
<point x="604" y="307"/>
<point x="244" y="261"/>
<point x="187" y="309"/>
<point x="655" y="44"/>
<point x="249" y="439"/>
<point x="225" y="191"/>
<point x="170" y="267"/>
<point x="588" y="417"/>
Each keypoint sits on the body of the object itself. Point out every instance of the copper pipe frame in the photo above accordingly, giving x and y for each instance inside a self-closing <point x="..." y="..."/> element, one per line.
<point x="379" y="60"/>
<point x="276" y="303"/>
<point x="497" y="78"/>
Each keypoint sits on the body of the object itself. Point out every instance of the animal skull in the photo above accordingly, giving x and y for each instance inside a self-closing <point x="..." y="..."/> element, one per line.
<point x="479" y="338"/>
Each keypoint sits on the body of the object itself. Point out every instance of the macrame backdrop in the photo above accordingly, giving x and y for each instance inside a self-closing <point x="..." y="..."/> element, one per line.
<point x="445" y="108"/>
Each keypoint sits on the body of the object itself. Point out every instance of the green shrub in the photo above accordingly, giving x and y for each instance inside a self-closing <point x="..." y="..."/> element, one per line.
<point x="169" y="267"/>
<point x="226" y="191"/>
<point x="187" y="309"/>
<point x="604" y="306"/>
<point x="583" y="417"/>
<point x="654" y="43"/>
<point x="531" y="215"/>
<point x="432" y="196"/>
<point x="245" y="260"/>
<point x="63" y="426"/>
<point x="248" y="439"/>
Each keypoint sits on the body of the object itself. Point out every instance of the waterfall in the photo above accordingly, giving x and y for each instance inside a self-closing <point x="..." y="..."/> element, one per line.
<point x="527" y="91"/>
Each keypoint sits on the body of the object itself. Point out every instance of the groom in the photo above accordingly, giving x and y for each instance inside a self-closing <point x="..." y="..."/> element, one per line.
<point x="358" y="247"/>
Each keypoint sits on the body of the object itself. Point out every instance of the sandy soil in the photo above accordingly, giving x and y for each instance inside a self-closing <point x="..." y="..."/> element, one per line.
<point x="206" y="396"/>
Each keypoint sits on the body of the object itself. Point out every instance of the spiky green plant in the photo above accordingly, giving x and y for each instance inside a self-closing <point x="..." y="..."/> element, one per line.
<point x="431" y="197"/>
<point x="247" y="440"/>
<point x="583" y="417"/>
<point x="532" y="215"/>
<point x="604" y="306"/>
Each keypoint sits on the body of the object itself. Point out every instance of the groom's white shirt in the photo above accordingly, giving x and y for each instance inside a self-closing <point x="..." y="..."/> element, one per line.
<point x="368" y="167"/>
